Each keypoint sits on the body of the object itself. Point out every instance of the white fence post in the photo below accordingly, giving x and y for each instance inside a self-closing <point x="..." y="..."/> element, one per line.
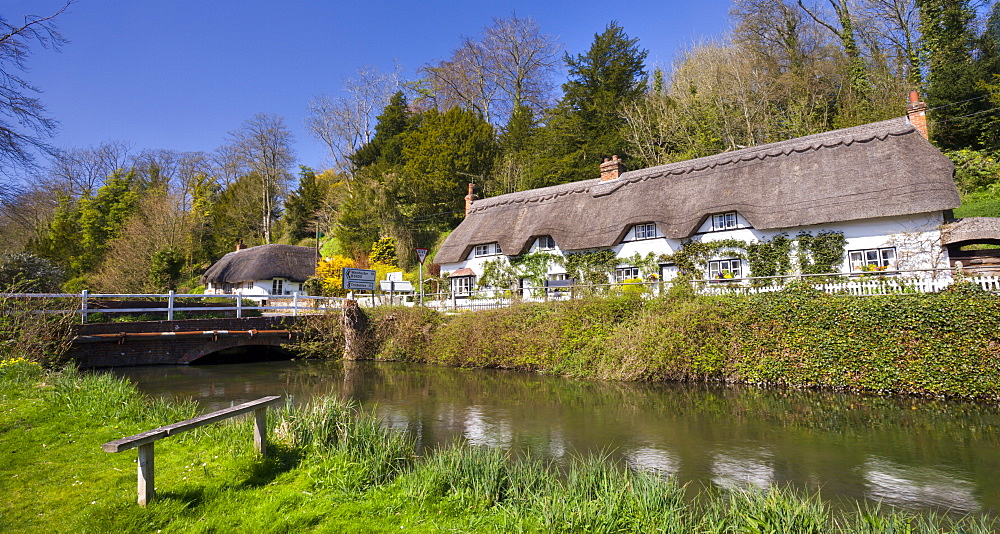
<point x="170" y="305"/>
<point x="239" y="307"/>
<point x="83" y="306"/>
<point x="295" y="304"/>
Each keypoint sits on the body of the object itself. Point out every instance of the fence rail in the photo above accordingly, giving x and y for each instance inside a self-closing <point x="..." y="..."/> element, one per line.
<point x="171" y="303"/>
<point x="860" y="284"/>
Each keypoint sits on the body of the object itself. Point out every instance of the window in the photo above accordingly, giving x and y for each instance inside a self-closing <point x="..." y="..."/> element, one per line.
<point x="462" y="285"/>
<point x="724" y="221"/>
<point x="276" y="286"/>
<point x="626" y="273"/>
<point x="645" y="231"/>
<point x="488" y="249"/>
<point x="719" y="269"/>
<point x="546" y="243"/>
<point x="873" y="259"/>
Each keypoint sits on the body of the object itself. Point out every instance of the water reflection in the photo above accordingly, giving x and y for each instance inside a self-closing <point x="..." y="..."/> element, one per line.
<point x="910" y="453"/>
<point x="743" y="469"/>
<point x="899" y="485"/>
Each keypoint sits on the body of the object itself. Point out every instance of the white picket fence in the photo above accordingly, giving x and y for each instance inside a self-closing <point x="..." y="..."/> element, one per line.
<point x="892" y="283"/>
<point x="900" y="282"/>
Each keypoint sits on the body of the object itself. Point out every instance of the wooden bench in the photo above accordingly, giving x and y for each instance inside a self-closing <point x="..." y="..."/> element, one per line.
<point x="145" y="440"/>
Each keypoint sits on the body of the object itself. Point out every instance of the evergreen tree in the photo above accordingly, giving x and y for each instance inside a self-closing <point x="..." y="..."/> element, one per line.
<point x="954" y="79"/>
<point x="587" y="124"/>
<point x="386" y="145"/>
<point x="302" y="206"/>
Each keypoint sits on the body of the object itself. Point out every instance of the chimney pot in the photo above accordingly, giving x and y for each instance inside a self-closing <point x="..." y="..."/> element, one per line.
<point x="611" y="169"/>
<point x="470" y="198"/>
<point x="916" y="113"/>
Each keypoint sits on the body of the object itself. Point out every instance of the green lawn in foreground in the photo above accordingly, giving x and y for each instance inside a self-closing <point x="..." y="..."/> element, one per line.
<point x="333" y="469"/>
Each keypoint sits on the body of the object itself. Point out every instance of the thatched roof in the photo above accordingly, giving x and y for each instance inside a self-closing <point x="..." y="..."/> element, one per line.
<point x="875" y="170"/>
<point x="263" y="263"/>
<point x="972" y="230"/>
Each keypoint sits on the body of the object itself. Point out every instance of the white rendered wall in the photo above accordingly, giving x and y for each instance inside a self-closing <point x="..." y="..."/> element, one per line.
<point x="916" y="238"/>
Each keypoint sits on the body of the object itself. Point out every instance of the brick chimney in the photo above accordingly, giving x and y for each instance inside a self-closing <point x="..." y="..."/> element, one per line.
<point x="611" y="168"/>
<point x="239" y="245"/>
<point x="916" y="113"/>
<point x="470" y="198"/>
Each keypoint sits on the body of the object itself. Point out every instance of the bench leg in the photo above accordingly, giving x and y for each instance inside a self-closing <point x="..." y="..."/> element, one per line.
<point x="260" y="430"/>
<point x="146" y="489"/>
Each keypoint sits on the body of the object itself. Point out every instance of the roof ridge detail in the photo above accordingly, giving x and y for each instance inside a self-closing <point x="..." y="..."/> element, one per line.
<point x="844" y="136"/>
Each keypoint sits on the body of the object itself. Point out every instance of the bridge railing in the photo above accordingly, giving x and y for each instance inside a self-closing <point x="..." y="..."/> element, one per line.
<point x="87" y="304"/>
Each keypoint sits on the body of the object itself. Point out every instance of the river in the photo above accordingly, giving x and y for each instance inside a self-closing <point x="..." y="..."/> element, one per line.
<point x="916" y="454"/>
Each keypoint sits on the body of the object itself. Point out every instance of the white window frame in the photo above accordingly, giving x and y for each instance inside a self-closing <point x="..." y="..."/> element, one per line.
<point x="724" y="221"/>
<point x="644" y="231"/>
<point x="277" y="286"/>
<point x="486" y="249"/>
<point x="716" y="268"/>
<point x="627" y="273"/>
<point x="882" y="257"/>
<point x="546" y="243"/>
<point x="462" y="286"/>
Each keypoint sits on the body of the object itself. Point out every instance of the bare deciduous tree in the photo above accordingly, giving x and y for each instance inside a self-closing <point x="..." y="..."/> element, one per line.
<point x="346" y="123"/>
<point x="262" y="147"/>
<point x="511" y="65"/>
<point x="79" y="171"/>
<point x="891" y="28"/>
<point x="24" y="125"/>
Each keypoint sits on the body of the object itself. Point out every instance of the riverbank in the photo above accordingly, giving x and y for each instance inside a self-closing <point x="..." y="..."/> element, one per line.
<point x="942" y="345"/>
<point x="335" y="469"/>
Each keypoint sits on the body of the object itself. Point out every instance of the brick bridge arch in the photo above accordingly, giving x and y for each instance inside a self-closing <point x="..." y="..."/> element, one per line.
<point x="175" y="342"/>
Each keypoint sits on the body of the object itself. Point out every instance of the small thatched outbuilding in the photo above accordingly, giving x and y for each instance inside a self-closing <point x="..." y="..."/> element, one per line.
<point x="263" y="271"/>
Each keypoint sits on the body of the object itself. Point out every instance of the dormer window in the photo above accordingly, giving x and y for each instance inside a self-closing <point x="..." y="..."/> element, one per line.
<point x="487" y="249"/>
<point x="546" y="243"/>
<point x="724" y="221"/>
<point x="644" y="231"/>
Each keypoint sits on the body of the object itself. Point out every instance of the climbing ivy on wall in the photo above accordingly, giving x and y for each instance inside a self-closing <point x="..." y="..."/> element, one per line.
<point x="498" y="274"/>
<point x="816" y="254"/>
<point x="692" y="257"/>
<point x="592" y="267"/>
<point x="503" y="273"/>
<point x="648" y="265"/>
<point x="534" y="267"/>
<point x="770" y="258"/>
<point x="820" y="253"/>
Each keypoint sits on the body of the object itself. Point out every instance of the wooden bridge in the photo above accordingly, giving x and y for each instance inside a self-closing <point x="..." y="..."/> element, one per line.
<point x="176" y="342"/>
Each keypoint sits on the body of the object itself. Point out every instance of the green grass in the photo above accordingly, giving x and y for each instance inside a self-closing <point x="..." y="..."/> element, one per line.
<point x="334" y="468"/>
<point x="983" y="204"/>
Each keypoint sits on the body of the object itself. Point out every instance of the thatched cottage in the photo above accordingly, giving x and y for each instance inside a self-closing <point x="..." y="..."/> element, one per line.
<point x="261" y="272"/>
<point x="882" y="185"/>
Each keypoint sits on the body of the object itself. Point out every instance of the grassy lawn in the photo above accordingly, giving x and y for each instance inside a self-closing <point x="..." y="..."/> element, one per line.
<point x="979" y="205"/>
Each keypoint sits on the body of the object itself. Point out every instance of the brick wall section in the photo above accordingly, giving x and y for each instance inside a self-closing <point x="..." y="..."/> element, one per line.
<point x="172" y="350"/>
<point x="188" y="325"/>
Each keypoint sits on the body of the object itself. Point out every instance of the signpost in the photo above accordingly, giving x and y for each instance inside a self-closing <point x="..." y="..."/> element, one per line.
<point x="358" y="279"/>
<point x="421" y="254"/>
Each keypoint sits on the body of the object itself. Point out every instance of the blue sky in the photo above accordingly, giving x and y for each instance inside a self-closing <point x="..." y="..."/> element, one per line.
<point x="180" y="74"/>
